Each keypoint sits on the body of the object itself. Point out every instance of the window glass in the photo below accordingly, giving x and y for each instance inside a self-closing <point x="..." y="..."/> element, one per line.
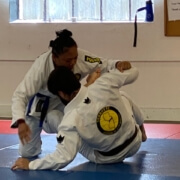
<point x="58" y="10"/>
<point x="31" y="10"/>
<point x="136" y="5"/>
<point x="116" y="11"/>
<point x="88" y="10"/>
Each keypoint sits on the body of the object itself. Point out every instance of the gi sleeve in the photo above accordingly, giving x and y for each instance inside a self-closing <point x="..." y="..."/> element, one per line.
<point x="128" y="76"/>
<point x="88" y="62"/>
<point x="115" y="78"/>
<point x="69" y="143"/>
<point x="33" y="81"/>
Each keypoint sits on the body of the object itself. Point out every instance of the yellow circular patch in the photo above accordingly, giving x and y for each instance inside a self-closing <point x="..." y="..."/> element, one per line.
<point x="109" y="120"/>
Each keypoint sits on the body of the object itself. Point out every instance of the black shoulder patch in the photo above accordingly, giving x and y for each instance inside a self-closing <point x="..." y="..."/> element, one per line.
<point x="87" y="101"/>
<point x="60" y="139"/>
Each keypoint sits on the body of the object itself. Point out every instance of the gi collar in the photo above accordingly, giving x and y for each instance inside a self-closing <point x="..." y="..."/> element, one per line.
<point x="79" y="98"/>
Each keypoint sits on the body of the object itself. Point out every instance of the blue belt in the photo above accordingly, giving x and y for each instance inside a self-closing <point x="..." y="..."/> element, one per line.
<point x="43" y="109"/>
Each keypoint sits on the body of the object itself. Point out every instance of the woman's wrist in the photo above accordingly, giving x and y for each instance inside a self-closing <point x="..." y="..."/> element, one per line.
<point x="20" y="121"/>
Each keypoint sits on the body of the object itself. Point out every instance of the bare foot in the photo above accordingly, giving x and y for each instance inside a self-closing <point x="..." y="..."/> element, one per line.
<point x="144" y="136"/>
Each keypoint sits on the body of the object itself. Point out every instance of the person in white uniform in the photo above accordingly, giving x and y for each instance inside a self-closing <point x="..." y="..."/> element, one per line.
<point x="102" y="125"/>
<point x="33" y="107"/>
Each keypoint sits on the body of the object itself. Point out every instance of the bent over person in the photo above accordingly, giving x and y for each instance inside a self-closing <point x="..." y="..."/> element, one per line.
<point x="33" y="107"/>
<point x="102" y="125"/>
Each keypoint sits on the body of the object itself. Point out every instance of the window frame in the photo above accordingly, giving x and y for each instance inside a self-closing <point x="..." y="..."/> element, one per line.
<point x="14" y="14"/>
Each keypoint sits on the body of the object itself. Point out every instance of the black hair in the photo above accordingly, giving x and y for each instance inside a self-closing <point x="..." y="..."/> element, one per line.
<point x="63" y="41"/>
<point x="62" y="79"/>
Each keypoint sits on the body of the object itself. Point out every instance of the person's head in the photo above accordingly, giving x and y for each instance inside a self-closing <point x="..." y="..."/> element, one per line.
<point x="64" y="49"/>
<point x="63" y="83"/>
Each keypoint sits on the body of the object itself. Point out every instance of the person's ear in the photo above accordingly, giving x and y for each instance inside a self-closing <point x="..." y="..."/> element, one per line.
<point x="62" y="94"/>
<point x="74" y="93"/>
<point x="54" y="58"/>
<point x="65" y="96"/>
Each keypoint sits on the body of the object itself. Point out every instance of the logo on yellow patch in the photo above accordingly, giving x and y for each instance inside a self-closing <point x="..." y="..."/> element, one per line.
<point x="109" y="120"/>
<point x="93" y="60"/>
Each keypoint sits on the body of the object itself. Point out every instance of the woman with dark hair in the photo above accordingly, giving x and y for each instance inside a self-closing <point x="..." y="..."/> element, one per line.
<point x="33" y="107"/>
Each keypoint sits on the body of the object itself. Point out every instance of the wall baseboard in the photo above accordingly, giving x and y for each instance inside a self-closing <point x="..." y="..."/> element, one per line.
<point x="150" y="114"/>
<point x="5" y="111"/>
<point x="162" y="114"/>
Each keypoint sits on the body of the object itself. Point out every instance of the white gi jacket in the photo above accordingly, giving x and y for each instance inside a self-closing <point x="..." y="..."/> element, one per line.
<point x="95" y="120"/>
<point x="35" y="81"/>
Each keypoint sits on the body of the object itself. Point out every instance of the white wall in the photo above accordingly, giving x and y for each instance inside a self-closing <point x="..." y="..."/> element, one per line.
<point x="157" y="57"/>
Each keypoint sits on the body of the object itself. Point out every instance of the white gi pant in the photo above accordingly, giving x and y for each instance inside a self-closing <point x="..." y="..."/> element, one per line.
<point x="50" y="125"/>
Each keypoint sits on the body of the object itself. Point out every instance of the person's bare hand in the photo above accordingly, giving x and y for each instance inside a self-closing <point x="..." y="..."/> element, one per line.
<point x="123" y="65"/>
<point x="93" y="76"/>
<point x="21" y="163"/>
<point x="24" y="133"/>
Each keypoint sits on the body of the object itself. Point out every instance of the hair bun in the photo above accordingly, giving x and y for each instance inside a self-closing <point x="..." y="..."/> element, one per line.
<point x="64" y="33"/>
<point x="51" y="44"/>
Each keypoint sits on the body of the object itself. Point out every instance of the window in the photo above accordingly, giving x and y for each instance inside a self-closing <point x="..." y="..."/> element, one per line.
<point x="76" y="10"/>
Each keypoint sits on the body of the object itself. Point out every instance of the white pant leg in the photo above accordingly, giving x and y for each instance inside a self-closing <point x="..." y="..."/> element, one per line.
<point x="50" y="125"/>
<point x="52" y="121"/>
<point x="87" y="152"/>
<point x="95" y="157"/>
<point x="33" y="147"/>
<point x="135" y="145"/>
<point x="132" y="106"/>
